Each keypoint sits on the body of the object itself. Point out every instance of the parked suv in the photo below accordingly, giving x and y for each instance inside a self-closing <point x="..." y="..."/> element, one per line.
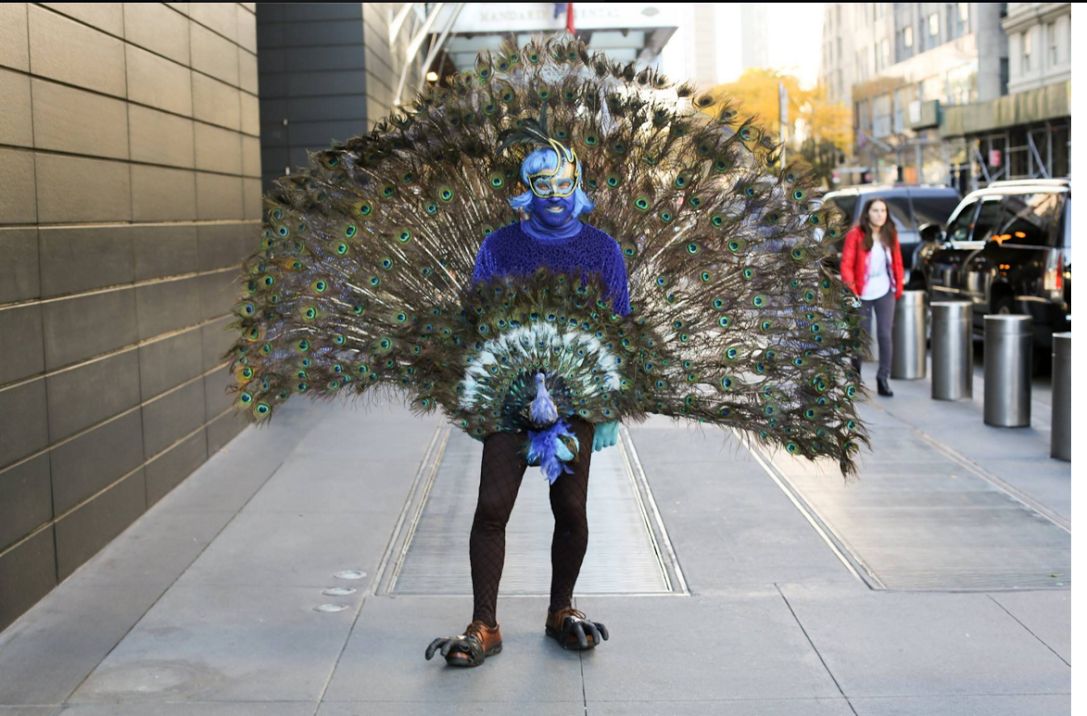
<point x="912" y="209"/>
<point x="1008" y="249"/>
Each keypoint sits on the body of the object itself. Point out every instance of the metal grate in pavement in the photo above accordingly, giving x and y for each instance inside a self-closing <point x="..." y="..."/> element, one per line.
<point x="628" y="551"/>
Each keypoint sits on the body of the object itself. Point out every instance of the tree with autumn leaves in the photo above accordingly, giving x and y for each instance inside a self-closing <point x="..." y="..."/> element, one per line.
<point x="818" y="130"/>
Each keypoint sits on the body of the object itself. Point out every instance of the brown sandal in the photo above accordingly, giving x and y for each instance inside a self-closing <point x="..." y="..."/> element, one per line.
<point x="573" y="630"/>
<point x="470" y="648"/>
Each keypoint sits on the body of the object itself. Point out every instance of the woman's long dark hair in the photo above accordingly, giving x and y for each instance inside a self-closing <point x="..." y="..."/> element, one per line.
<point x="889" y="234"/>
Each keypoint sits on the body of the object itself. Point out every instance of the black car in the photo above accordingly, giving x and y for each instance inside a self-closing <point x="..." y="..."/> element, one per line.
<point x="913" y="209"/>
<point x="1008" y="249"/>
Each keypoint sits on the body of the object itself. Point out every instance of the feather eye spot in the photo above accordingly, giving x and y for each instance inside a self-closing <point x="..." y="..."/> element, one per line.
<point x="717" y="220"/>
<point x="302" y="345"/>
<point x="341" y="249"/>
<point x="283" y="231"/>
<point x="591" y="140"/>
<point x="375" y="281"/>
<point x="446" y="194"/>
<point x="613" y="181"/>
<point x="726" y="384"/>
<point x="386" y="263"/>
<point x="693" y="248"/>
<point x="706" y="276"/>
<point x="405" y="236"/>
<point x="388" y="191"/>
<point x="724" y="321"/>
<point x="319" y="286"/>
<point x="758" y="301"/>
<point x="641" y="203"/>
<point x="665" y="216"/>
<point x="718" y="303"/>
<point x="245" y="398"/>
<point x="431" y="208"/>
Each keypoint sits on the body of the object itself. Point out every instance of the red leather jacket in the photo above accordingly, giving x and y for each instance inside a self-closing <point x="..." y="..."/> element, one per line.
<point x="855" y="263"/>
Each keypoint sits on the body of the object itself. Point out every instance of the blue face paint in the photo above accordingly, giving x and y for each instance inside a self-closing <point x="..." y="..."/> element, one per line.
<point x="552" y="217"/>
<point x="553" y="212"/>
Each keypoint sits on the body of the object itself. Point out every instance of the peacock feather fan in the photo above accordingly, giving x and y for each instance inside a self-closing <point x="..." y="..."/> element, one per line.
<point x="363" y="278"/>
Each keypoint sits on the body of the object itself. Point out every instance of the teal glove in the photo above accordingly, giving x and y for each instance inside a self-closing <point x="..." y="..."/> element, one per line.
<point x="605" y="435"/>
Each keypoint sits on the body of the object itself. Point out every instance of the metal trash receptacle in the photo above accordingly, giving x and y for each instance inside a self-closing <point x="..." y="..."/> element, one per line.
<point x="1061" y="429"/>
<point x="1008" y="347"/>
<point x="952" y="350"/>
<point x="908" y="356"/>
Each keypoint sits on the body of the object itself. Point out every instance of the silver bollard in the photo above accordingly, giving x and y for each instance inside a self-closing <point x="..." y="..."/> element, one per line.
<point x="952" y="350"/>
<point x="1060" y="441"/>
<point x="1008" y="348"/>
<point x="908" y="358"/>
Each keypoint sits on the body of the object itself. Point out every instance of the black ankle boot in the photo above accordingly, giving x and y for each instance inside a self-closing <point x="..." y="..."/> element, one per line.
<point x="883" y="388"/>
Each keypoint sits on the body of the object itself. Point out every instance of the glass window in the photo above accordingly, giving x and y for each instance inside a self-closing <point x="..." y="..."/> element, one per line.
<point x="959" y="229"/>
<point x="934" y="26"/>
<point x="845" y="204"/>
<point x="907" y="37"/>
<point x="1029" y="219"/>
<point x="899" y="206"/>
<point x="1024" y="63"/>
<point x="1051" y="33"/>
<point x="933" y="209"/>
<point x="989" y="218"/>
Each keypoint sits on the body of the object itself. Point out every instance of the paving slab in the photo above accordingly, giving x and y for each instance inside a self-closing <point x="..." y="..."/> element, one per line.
<point x="154" y="550"/>
<point x="732" y="707"/>
<point x="461" y="708"/>
<point x="383" y="660"/>
<point x="281" y="549"/>
<point x="984" y="705"/>
<point x="192" y="708"/>
<point x="924" y="644"/>
<point x="1047" y="615"/>
<point x="715" y="649"/>
<point x="732" y="527"/>
<point x="212" y="643"/>
<point x="48" y="651"/>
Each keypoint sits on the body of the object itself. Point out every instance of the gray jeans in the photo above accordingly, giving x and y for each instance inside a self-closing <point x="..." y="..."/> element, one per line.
<point x="885" y="320"/>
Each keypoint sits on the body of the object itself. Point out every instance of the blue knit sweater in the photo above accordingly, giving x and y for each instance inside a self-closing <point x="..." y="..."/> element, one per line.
<point x="510" y="251"/>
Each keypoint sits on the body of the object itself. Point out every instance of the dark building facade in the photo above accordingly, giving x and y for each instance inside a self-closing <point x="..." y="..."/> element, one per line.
<point x="130" y="175"/>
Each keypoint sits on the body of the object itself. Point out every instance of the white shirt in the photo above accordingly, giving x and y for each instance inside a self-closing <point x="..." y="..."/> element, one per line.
<point x="878" y="280"/>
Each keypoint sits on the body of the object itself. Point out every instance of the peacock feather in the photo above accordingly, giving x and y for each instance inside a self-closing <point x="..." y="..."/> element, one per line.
<point x="363" y="275"/>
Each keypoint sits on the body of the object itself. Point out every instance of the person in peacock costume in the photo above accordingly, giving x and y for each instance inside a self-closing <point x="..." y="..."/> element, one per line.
<point x="445" y="255"/>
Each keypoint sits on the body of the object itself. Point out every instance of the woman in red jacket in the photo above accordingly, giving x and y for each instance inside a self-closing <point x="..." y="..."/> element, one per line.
<point x="872" y="269"/>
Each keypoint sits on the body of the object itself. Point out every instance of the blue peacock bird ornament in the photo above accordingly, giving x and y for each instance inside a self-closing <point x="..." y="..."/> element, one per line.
<point x="364" y="277"/>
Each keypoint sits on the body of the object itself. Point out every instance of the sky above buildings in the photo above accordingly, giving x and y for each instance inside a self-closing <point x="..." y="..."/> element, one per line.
<point x="795" y="35"/>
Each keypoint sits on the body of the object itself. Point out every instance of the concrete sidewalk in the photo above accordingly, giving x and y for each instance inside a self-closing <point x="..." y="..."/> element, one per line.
<point x="263" y="584"/>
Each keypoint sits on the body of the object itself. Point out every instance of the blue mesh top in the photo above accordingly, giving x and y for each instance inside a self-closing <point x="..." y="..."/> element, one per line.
<point x="511" y="251"/>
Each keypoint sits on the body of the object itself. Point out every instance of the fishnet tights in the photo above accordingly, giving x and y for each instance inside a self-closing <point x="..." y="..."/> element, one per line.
<point x="500" y="479"/>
